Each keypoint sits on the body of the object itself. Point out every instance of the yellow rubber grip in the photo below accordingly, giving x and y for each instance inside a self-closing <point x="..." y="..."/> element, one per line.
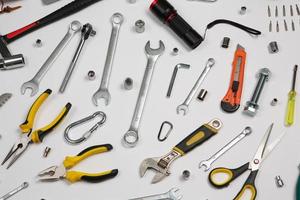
<point x="289" y="119"/>
<point x="37" y="136"/>
<point x="74" y="176"/>
<point x="26" y="127"/>
<point x="221" y="171"/>
<point x="71" y="161"/>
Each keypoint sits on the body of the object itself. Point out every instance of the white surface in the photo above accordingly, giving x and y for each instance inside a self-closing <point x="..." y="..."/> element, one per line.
<point x="130" y="61"/>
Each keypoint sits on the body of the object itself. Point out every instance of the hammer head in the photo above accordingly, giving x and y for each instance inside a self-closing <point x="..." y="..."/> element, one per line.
<point x="9" y="61"/>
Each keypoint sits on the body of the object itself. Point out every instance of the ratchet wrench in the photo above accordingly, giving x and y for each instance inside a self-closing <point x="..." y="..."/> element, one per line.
<point x="131" y="137"/>
<point x="33" y="84"/>
<point x="207" y="163"/>
<point x="103" y="92"/>
<point x="185" y="105"/>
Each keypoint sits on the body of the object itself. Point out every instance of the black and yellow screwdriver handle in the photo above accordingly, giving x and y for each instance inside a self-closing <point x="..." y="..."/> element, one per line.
<point x="74" y="176"/>
<point x="37" y="136"/>
<point x="27" y="126"/>
<point x="199" y="136"/>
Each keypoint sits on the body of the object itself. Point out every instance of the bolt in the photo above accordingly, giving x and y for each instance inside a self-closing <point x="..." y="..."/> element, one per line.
<point x="252" y="105"/>
<point x="279" y="181"/>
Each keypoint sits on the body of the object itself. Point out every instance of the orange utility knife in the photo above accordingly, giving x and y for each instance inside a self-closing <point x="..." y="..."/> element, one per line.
<point x="231" y="102"/>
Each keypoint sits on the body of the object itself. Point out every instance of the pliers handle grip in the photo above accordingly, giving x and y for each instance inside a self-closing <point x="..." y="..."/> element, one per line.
<point x="74" y="176"/>
<point x="37" y="136"/>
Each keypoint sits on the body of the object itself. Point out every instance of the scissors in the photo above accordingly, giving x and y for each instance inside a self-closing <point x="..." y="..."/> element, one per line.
<point x="254" y="165"/>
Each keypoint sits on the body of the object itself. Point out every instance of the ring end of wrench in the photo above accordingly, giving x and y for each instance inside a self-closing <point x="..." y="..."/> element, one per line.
<point x="130" y="139"/>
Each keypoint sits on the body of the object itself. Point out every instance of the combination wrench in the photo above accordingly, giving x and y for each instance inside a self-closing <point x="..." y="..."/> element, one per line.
<point x="103" y="92"/>
<point x="33" y="84"/>
<point x="15" y="191"/>
<point x="185" y="105"/>
<point x="131" y="137"/>
<point x="86" y="32"/>
<point x="172" y="194"/>
<point x="207" y="163"/>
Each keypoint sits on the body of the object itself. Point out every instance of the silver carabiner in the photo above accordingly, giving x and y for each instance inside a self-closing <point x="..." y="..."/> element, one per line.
<point x="168" y="133"/>
<point x="87" y="134"/>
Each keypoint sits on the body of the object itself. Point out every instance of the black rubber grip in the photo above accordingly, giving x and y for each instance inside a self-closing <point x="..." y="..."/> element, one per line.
<point x="67" y="10"/>
<point x="195" y="139"/>
<point x="97" y="179"/>
<point x="108" y="146"/>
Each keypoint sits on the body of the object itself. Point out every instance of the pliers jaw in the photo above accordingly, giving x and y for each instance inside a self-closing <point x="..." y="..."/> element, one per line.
<point x="17" y="150"/>
<point x="53" y="173"/>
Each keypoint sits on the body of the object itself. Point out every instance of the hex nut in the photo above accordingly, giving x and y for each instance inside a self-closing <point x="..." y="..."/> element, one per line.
<point x="128" y="83"/>
<point x="139" y="26"/>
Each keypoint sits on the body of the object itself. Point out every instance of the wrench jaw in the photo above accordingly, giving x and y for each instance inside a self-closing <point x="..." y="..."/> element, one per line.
<point x="175" y="194"/>
<point x="182" y="109"/>
<point x="154" y="52"/>
<point x="205" y="164"/>
<point x="101" y="94"/>
<point x="152" y="163"/>
<point x="31" y="85"/>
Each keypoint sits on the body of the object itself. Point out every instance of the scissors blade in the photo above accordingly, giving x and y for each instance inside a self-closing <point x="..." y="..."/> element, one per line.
<point x="261" y="150"/>
<point x="271" y="146"/>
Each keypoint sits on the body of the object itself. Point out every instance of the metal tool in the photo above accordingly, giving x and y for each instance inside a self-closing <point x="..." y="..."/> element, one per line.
<point x="56" y="173"/>
<point x="172" y="194"/>
<point x="103" y="91"/>
<point x="131" y="137"/>
<point x="33" y="84"/>
<point x="291" y="10"/>
<point x="293" y="26"/>
<point x="283" y="11"/>
<point x="139" y="26"/>
<point x="86" y="32"/>
<point x="270" y="27"/>
<point x="28" y="135"/>
<point x="231" y="102"/>
<point x="184" y="107"/>
<point x="252" y="105"/>
<point x="88" y="133"/>
<point x="285" y="25"/>
<point x="186" y="174"/>
<point x="225" y="42"/>
<point x="202" y="94"/>
<point x="277" y="27"/>
<point x="4" y="98"/>
<point x="269" y="11"/>
<point x="128" y="84"/>
<point x="273" y="47"/>
<point x="274" y="102"/>
<point x="176" y="68"/>
<point x="91" y="75"/>
<point x="289" y="118"/>
<point x="207" y="163"/>
<point x="15" y="191"/>
<point x="161" y="139"/>
<point x="254" y="165"/>
<point x="13" y="61"/>
<point x="46" y="152"/>
<point x="162" y="164"/>
<point x="297" y="9"/>
<point x="276" y="11"/>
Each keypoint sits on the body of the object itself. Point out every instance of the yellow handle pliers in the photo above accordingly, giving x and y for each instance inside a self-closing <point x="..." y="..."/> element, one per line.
<point x="38" y="135"/>
<point x="55" y="173"/>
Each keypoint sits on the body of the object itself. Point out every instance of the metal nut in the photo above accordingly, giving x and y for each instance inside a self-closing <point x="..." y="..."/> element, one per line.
<point x="128" y="84"/>
<point x="38" y="43"/>
<point x="274" y="102"/>
<point x="91" y="75"/>
<point x="46" y="152"/>
<point x="273" y="47"/>
<point x="279" y="181"/>
<point x="186" y="174"/>
<point x="139" y="26"/>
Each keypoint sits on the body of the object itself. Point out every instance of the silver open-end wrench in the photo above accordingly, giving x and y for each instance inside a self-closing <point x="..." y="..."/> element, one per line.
<point x="131" y="137"/>
<point x="184" y="107"/>
<point x="172" y="194"/>
<point x="33" y="84"/>
<point x="86" y="32"/>
<point x="15" y="191"/>
<point x="103" y="92"/>
<point x="207" y="163"/>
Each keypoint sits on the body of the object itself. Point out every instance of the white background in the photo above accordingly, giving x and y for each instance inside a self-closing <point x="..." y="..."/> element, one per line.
<point x="130" y="61"/>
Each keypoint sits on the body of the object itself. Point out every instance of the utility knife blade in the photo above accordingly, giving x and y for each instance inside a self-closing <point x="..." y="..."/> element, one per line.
<point x="4" y="98"/>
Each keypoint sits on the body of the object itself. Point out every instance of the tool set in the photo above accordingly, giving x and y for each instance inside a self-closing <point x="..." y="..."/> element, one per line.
<point x="280" y="17"/>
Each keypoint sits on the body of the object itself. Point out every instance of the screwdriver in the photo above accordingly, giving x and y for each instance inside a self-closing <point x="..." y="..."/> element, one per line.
<point x="289" y="119"/>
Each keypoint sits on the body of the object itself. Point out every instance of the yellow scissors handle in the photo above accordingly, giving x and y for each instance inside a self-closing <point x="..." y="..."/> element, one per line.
<point x="222" y="177"/>
<point x="249" y="186"/>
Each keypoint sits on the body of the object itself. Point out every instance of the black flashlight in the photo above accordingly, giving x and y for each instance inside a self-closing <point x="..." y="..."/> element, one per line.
<point x="169" y="16"/>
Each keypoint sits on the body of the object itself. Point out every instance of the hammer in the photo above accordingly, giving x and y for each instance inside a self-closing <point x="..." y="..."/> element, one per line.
<point x="10" y="61"/>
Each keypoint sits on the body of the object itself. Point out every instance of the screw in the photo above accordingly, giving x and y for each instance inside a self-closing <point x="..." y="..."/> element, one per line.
<point x="46" y="152"/>
<point x="252" y="105"/>
<point x="279" y="181"/>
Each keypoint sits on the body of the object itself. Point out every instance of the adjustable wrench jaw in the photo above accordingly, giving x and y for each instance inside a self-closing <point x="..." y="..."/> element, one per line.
<point x="160" y="165"/>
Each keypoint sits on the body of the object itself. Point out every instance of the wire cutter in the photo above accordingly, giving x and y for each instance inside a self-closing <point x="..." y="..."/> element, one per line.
<point x="254" y="165"/>
<point x="55" y="173"/>
<point x="37" y="136"/>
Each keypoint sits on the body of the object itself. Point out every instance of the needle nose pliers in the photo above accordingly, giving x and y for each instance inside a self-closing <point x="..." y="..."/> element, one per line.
<point x="56" y="173"/>
<point x="37" y="136"/>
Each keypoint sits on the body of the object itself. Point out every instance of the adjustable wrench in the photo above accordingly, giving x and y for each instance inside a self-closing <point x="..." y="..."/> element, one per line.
<point x="131" y="137"/>
<point x="185" y="105"/>
<point x="33" y="84"/>
<point x="116" y="20"/>
<point x="86" y="32"/>
<point x="207" y="163"/>
<point x="172" y="194"/>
